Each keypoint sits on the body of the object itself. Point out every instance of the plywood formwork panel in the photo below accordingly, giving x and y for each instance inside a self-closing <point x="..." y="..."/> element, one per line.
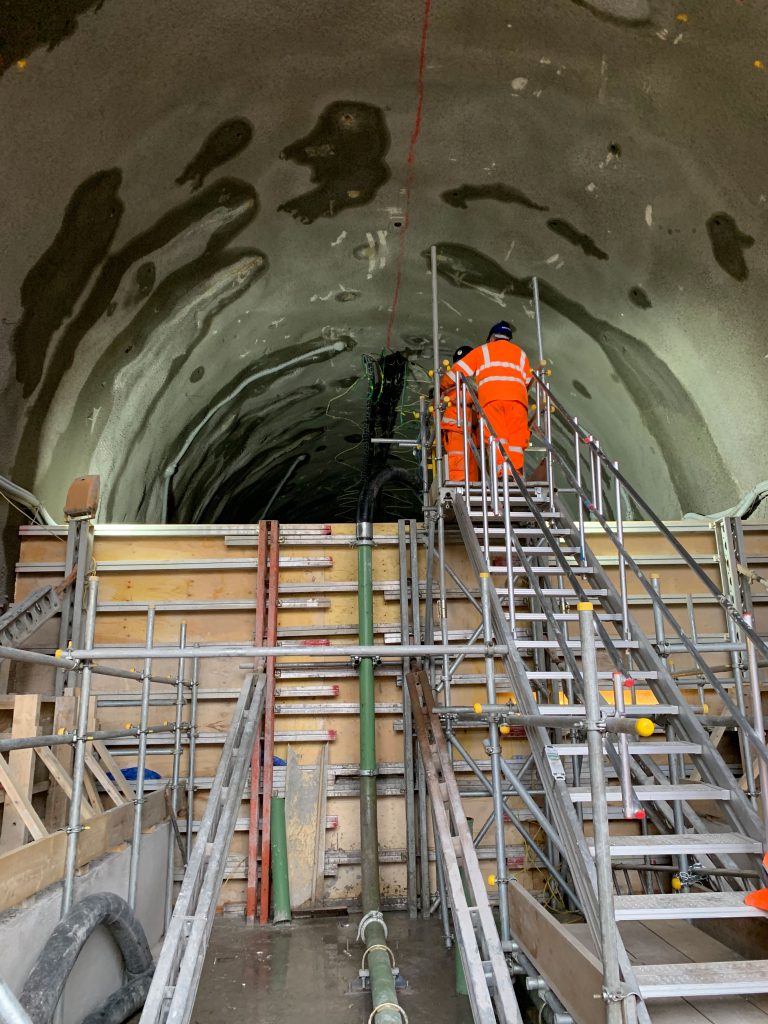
<point x="235" y="625"/>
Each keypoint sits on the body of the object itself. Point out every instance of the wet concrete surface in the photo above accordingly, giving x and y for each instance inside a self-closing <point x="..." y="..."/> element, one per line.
<point x="301" y="972"/>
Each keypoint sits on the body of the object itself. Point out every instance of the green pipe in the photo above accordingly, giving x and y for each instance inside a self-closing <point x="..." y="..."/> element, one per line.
<point x="377" y="960"/>
<point x="281" y="898"/>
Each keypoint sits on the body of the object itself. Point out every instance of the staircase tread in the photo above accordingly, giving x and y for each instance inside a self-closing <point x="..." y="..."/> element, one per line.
<point x="728" y="977"/>
<point x="657" y="791"/>
<point x="638" y="748"/>
<point x="694" y="842"/>
<point x="683" y="905"/>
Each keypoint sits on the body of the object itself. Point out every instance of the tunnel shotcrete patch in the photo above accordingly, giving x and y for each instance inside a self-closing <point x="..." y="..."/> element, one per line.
<point x="579" y="387"/>
<point x="499" y="192"/>
<point x="620" y="12"/>
<point x="197" y="374"/>
<point x="345" y="150"/>
<point x="52" y="287"/>
<point x="668" y="412"/>
<point x="223" y="144"/>
<point x="25" y="26"/>
<point x="728" y="245"/>
<point x="575" y="237"/>
<point x="639" y="297"/>
<point x="228" y="200"/>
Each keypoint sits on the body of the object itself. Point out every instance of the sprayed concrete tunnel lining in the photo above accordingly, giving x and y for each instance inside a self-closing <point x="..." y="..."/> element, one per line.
<point x="211" y="223"/>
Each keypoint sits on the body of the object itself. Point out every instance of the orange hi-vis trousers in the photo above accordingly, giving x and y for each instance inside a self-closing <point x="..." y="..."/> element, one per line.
<point x="453" y="448"/>
<point x="509" y="421"/>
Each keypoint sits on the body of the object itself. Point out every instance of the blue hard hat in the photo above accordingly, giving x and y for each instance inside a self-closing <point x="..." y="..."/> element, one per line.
<point x="500" y="330"/>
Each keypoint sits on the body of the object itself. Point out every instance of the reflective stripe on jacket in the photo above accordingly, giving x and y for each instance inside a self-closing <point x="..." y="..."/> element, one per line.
<point x="501" y="369"/>
<point x="449" y="417"/>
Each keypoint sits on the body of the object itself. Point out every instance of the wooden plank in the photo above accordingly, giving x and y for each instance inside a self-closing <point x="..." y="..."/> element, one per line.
<point x="101" y="776"/>
<point x="63" y="778"/>
<point x="21" y="768"/>
<point x="113" y="768"/>
<point x="302" y="821"/>
<point x="25" y="812"/>
<point x="27" y="870"/>
<point x="319" y="886"/>
<point x="90" y="786"/>
<point x="574" y="973"/>
<point x="63" y="721"/>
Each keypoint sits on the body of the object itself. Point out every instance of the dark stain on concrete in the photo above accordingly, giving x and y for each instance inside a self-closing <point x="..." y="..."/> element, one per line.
<point x="668" y="412"/>
<point x="618" y="12"/>
<point x="235" y="197"/>
<point x="52" y="287"/>
<point x="347" y="296"/>
<point x="499" y="192"/>
<point x="26" y="25"/>
<point x="575" y="237"/>
<point x="224" y="143"/>
<point x="639" y="297"/>
<point x="197" y="374"/>
<point x="580" y="389"/>
<point x="345" y="151"/>
<point x="728" y="245"/>
<point x="145" y="277"/>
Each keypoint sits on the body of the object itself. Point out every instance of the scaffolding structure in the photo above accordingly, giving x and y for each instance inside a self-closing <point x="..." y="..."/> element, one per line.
<point x="565" y="664"/>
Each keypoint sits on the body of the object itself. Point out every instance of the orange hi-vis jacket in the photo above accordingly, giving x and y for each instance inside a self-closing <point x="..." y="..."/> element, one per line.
<point x="501" y="369"/>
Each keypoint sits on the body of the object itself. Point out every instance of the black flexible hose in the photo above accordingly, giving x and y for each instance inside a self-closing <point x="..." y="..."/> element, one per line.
<point x="46" y="981"/>
<point x="369" y="494"/>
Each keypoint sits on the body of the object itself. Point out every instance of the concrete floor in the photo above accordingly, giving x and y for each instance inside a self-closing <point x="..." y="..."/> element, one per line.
<point x="291" y="973"/>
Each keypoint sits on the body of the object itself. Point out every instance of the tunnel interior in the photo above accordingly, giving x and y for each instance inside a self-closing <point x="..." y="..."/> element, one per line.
<point x="218" y="220"/>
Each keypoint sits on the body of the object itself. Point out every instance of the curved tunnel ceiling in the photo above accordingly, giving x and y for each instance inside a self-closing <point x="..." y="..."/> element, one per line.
<point x="214" y="211"/>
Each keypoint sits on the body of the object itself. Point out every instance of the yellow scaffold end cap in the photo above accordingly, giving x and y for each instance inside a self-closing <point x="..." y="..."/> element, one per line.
<point x="491" y="879"/>
<point x="446" y="363"/>
<point x="431" y="408"/>
<point x="430" y="373"/>
<point x="484" y="575"/>
<point x="644" y="727"/>
<point x="504" y="730"/>
<point x="677" y="885"/>
<point x="58" y="653"/>
<point x="705" y="709"/>
<point x="584" y="606"/>
<point x="477" y="708"/>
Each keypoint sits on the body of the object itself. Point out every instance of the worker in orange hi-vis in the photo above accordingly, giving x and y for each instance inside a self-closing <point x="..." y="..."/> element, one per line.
<point x="759" y="898"/>
<point x="502" y="373"/>
<point x="452" y="432"/>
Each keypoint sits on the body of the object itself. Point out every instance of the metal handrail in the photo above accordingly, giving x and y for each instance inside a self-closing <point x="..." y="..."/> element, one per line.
<point x="759" y="742"/>
<point x="588" y="439"/>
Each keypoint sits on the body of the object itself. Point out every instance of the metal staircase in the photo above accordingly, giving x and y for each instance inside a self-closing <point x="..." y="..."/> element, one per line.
<point x="607" y="721"/>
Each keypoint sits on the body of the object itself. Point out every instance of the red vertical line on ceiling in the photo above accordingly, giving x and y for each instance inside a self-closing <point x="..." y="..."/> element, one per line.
<point x="410" y="169"/>
<point x="269" y="718"/>
<point x="258" y="667"/>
